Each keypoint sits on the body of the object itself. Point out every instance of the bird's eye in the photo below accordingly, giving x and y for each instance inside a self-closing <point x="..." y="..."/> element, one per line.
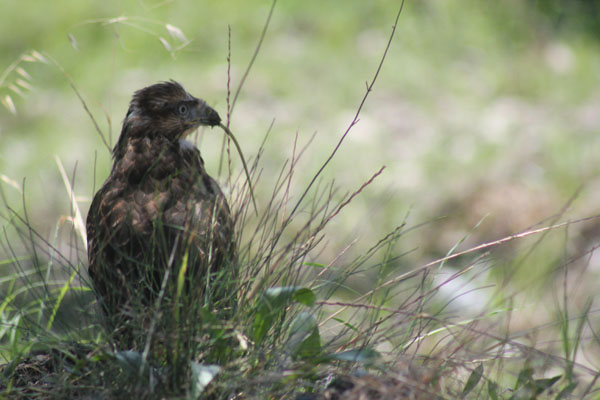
<point x="183" y="109"/>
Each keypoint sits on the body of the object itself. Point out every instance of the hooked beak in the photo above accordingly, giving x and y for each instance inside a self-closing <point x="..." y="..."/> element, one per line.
<point x="206" y="115"/>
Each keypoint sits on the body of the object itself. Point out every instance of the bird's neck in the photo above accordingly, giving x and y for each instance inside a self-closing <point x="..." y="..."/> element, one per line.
<point x="132" y="132"/>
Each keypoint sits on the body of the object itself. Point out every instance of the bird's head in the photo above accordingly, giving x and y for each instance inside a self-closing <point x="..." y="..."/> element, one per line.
<point x="164" y="109"/>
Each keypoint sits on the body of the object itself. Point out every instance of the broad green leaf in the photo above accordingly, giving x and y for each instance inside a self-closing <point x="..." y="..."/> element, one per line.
<point x="283" y="293"/>
<point x="524" y="377"/>
<point x="305" y="340"/>
<point x="566" y="392"/>
<point x="261" y="324"/>
<point x="473" y="380"/>
<point x="543" y="384"/>
<point x="493" y="390"/>
<point x="523" y="393"/>
<point x="305" y="296"/>
<point x="273" y="302"/>
<point x="530" y="388"/>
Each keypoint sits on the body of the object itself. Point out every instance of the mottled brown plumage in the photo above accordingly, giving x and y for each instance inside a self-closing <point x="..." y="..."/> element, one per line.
<point x="158" y="211"/>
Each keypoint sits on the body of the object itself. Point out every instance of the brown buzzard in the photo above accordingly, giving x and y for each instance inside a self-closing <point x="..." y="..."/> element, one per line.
<point x="159" y="217"/>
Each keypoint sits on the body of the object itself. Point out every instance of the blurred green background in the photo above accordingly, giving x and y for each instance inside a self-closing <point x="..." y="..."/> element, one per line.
<point x="483" y="111"/>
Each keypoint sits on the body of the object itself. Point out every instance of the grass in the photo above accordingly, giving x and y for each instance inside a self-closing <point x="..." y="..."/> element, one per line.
<point x="481" y="123"/>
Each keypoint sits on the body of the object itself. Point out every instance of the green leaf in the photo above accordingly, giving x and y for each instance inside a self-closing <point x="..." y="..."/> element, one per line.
<point x="543" y="384"/>
<point x="313" y="264"/>
<point x="305" y="340"/>
<point x="61" y="296"/>
<point x="566" y="392"/>
<point x="261" y="324"/>
<point x="273" y="302"/>
<point x="283" y="294"/>
<point x="347" y="324"/>
<point x="525" y="376"/>
<point x="473" y="380"/>
<point x="529" y="388"/>
<point x="202" y="375"/>
<point x="493" y="390"/>
<point x="523" y="393"/>
<point x="365" y="355"/>
<point x="182" y="274"/>
<point x="305" y="296"/>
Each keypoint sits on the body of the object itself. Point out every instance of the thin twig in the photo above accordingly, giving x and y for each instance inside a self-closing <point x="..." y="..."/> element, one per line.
<point x="239" y="149"/>
<point x="355" y="120"/>
<point x="336" y="148"/>
<point x="83" y="103"/>
<point x="356" y="193"/>
<point x="228" y="75"/>
<point x="483" y="246"/>
<point x="256" y="51"/>
<point x="227" y="119"/>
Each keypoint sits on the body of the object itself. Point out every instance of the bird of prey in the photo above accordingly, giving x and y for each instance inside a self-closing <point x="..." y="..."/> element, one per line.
<point x="159" y="219"/>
